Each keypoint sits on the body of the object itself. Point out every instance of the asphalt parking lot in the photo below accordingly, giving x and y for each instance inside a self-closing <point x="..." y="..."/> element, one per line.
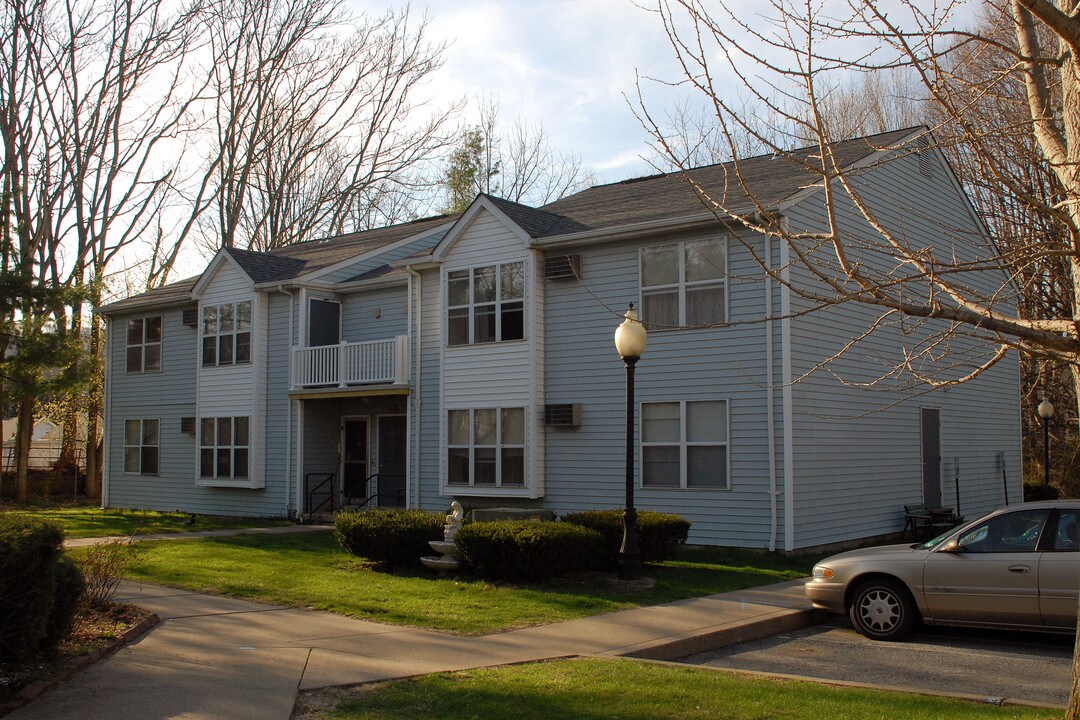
<point x="993" y="665"/>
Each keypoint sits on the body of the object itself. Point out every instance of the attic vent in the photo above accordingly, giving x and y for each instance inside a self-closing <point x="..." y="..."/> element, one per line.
<point x="562" y="267"/>
<point x="926" y="163"/>
<point x="191" y="317"/>
<point x="565" y="415"/>
<point x="187" y="425"/>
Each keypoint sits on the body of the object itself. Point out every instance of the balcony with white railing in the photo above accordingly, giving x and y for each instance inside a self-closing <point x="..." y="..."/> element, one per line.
<point x="378" y="362"/>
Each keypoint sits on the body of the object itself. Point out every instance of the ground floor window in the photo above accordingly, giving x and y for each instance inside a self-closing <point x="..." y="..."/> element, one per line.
<point x="141" y="447"/>
<point x="486" y="447"/>
<point x="223" y="447"/>
<point x="684" y="444"/>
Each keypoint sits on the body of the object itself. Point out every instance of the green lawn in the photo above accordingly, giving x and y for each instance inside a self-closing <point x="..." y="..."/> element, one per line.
<point x="310" y="570"/>
<point x="80" y="521"/>
<point x="592" y="688"/>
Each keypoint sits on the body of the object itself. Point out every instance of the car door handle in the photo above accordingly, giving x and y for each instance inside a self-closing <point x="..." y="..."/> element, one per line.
<point x="1019" y="569"/>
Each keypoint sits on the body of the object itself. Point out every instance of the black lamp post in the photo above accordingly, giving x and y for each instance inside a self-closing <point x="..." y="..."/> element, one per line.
<point x="630" y="344"/>
<point x="1046" y="411"/>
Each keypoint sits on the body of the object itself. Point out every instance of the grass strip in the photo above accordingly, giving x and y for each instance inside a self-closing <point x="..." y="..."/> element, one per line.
<point x="603" y="689"/>
<point x="84" y="521"/>
<point x="310" y="570"/>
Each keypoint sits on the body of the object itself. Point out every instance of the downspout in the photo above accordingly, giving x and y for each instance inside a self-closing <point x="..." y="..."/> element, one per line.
<point x="289" y="417"/>
<point x="785" y="369"/>
<point x="769" y="395"/>
<point x="106" y="430"/>
<point x="417" y="369"/>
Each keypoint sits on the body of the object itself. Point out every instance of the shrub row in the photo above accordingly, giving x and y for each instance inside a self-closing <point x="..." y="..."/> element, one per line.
<point x="391" y="537"/>
<point x="39" y="588"/>
<point x="527" y="551"/>
<point x="660" y="535"/>
<point x="517" y="550"/>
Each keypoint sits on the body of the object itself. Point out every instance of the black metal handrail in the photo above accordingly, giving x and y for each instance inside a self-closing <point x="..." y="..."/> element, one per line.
<point x="372" y="481"/>
<point x="311" y="507"/>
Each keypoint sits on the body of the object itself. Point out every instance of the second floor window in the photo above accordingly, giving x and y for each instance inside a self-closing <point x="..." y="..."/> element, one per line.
<point x="486" y="304"/>
<point x="226" y="334"/>
<point x="144" y="344"/>
<point x="684" y="284"/>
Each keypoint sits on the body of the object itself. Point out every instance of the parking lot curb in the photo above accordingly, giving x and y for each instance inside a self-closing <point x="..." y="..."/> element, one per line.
<point x="679" y="646"/>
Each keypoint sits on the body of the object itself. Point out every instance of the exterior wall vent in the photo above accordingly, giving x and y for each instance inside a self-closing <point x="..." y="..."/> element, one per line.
<point x="187" y="425"/>
<point x="564" y="415"/>
<point x="926" y="163"/>
<point x="191" y="317"/>
<point x="562" y="267"/>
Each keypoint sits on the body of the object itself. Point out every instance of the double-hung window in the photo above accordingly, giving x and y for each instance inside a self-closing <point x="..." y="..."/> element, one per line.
<point x="486" y="304"/>
<point x="684" y="444"/>
<point x="486" y="447"/>
<point x="223" y="447"/>
<point x="144" y="344"/>
<point x="141" y="443"/>
<point x="226" y="334"/>
<point x="684" y="284"/>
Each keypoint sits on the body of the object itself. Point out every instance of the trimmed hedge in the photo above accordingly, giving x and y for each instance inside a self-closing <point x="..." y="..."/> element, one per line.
<point x="660" y="535"/>
<point x="39" y="588"/>
<point x="528" y="551"/>
<point x="391" y="537"/>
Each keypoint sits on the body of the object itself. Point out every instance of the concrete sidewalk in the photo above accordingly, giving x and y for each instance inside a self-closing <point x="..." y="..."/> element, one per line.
<point x="221" y="658"/>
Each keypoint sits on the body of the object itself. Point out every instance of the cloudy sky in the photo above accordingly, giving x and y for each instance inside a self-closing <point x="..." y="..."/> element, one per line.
<point x="567" y="64"/>
<point x="571" y="65"/>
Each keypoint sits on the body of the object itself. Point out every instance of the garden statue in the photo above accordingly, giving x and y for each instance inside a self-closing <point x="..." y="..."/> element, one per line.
<point x="453" y="520"/>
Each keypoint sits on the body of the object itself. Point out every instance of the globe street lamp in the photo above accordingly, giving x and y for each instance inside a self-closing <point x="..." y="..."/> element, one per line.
<point x="1046" y="411"/>
<point x="630" y="343"/>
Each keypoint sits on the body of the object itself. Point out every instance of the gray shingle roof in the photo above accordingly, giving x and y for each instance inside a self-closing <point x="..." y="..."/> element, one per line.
<point x="668" y="196"/>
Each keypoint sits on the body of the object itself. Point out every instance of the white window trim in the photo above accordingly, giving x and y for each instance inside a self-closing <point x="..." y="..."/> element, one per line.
<point x="234" y="332"/>
<point x="232" y="480"/>
<point x="682" y="285"/>
<point x="683" y="445"/>
<point x="143" y="344"/>
<point x="498" y="488"/>
<point x="499" y="300"/>
<point x="141" y="446"/>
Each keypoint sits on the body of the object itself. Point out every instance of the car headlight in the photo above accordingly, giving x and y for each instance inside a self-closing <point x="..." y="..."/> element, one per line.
<point x="822" y="573"/>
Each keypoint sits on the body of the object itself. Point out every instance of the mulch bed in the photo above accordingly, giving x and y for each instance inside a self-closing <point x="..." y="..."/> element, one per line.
<point x="97" y="633"/>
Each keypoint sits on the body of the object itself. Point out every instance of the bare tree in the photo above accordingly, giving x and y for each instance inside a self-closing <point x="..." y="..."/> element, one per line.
<point x="89" y="92"/>
<point x="796" y="52"/>
<point x="311" y="113"/>
<point x="518" y="164"/>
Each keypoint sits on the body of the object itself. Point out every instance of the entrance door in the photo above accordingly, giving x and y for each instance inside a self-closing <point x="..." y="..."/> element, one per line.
<point x="392" y="460"/>
<point x="931" y="456"/>
<point x="354" y="459"/>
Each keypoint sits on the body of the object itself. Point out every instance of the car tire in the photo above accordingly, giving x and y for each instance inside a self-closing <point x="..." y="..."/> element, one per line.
<point x="882" y="609"/>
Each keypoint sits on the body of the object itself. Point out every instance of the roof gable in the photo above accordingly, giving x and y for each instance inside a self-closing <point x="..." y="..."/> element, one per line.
<point x="486" y="203"/>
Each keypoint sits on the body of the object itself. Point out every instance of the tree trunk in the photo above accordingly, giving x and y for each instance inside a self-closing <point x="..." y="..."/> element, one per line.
<point x="24" y="435"/>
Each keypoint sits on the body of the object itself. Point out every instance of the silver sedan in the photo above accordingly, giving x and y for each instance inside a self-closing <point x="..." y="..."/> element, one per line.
<point x="1017" y="567"/>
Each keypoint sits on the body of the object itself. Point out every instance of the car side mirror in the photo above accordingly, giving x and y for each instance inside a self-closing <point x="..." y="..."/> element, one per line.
<point x="952" y="546"/>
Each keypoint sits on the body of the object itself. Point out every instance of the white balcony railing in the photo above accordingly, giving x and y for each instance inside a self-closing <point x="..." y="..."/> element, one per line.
<point x="366" y="363"/>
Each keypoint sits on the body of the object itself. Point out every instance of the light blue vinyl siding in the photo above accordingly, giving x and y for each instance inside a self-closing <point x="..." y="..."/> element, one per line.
<point x="358" y="314"/>
<point x="586" y="465"/>
<point x="167" y="396"/>
<point x="857" y="437"/>
<point x="427" y="438"/>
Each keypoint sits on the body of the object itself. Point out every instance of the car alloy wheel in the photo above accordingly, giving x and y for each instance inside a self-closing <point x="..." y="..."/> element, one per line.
<point x="882" y="610"/>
